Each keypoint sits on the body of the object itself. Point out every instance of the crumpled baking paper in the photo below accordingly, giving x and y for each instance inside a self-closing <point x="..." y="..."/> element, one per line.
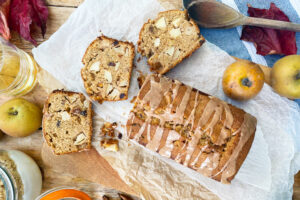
<point x="274" y="158"/>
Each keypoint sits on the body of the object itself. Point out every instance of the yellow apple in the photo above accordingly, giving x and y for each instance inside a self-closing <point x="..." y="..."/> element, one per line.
<point x="242" y="80"/>
<point x="285" y="76"/>
<point x="19" y="117"/>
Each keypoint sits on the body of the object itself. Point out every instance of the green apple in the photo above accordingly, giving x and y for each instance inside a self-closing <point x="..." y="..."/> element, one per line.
<point x="19" y="117"/>
<point x="285" y="76"/>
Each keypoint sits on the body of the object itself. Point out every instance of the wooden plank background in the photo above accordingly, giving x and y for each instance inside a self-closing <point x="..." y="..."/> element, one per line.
<point x="59" y="11"/>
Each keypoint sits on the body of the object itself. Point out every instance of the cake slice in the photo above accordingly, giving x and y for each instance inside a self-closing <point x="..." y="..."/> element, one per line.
<point x="107" y="69"/>
<point x="67" y="122"/>
<point x="169" y="39"/>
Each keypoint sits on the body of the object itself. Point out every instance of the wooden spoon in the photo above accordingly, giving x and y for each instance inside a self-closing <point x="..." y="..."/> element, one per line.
<point x="213" y="14"/>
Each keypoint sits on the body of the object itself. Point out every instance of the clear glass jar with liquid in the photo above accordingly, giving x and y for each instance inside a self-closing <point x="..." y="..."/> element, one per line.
<point x="18" y="70"/>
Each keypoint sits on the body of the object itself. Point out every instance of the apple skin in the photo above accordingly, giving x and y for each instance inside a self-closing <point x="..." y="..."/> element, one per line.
<point x="243" y="80"/>
<point x="285" y="76"/>
<point x="19" y="117"/>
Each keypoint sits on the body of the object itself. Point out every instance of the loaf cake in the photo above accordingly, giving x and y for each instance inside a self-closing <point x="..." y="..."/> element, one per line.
<point x="67" y="122"/>
<point x="107" y="69"/>
<point x="199" y="131"/>
<point x="169" y="39"/>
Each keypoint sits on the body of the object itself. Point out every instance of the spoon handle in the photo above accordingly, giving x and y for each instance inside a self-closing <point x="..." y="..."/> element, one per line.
<point x="269" y="23"/>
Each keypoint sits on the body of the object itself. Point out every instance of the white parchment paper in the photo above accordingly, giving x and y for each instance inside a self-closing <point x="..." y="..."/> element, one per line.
<point x="268" y="170"/>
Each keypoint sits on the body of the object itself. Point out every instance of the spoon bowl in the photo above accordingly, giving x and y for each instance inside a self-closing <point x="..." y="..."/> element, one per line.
<point x="214" y="14"/>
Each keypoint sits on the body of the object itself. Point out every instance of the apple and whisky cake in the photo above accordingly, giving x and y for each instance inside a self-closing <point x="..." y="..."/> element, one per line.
<point x="169" y="39"/>
<point x="197" y="130"/>
<point x="67" y="122"/>
<point x="107" y="69"/>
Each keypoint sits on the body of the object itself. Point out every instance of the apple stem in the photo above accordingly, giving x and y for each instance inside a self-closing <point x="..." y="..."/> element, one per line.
<point x="12" y="111"/>
<point x="297" y="76"/>
<point x="246" y="82"/>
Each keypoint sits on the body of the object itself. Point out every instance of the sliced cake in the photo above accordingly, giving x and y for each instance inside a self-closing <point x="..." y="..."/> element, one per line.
<point x="107" y="69"/>
<point x="169" y="39"/>
<point x="67" y="122"/>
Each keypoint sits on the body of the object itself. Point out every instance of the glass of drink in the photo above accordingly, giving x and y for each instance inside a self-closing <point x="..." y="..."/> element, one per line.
<point x="18" y="70"/>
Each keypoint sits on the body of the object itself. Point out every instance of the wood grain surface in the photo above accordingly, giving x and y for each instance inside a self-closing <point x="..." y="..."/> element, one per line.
<point x="59" y="11"/>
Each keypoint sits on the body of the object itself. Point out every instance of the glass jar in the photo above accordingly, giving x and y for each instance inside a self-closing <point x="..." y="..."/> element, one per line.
<point x="63" y="193"/>
<point x="20" y="177"/>
<point x="18" y="70"/>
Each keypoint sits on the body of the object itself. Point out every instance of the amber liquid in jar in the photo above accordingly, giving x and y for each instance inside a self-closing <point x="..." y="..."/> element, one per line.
<point x="18" y="70"/>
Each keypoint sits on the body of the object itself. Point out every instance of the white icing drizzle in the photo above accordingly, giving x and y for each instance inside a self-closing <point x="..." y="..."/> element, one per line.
<point x="139" y="134"/>
<point x="155" y="142"/>
<point x="247" y="129"/>
<point x="148" y="135"/>
<point x="183" y="104"/>
<point x="181" y="154"/>
<point x="212" y="162"/>
<point x="211" y="108"/>
<point x="211" y="115"/>
<point x="161" y="87"/>
<point x="167" y="149"/>
<point x="198" y="156"/>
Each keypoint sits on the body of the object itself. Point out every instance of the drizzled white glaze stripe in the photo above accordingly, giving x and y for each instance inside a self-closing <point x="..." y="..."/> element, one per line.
<point x="212" y="114"/>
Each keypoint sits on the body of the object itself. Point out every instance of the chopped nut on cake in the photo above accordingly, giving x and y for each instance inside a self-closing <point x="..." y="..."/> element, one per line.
<point x="169" y="39"/>
<point x="67" y="122"/>
<point x="110" y="144"/>
<point x="108" y="129"/>
<point x="107" y="69"/>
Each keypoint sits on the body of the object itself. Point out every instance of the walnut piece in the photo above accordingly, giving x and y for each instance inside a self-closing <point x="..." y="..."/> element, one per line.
<point x="108" y="129"/>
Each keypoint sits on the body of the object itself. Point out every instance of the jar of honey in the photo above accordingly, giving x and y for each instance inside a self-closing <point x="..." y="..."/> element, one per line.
<point x="18" y="70"/>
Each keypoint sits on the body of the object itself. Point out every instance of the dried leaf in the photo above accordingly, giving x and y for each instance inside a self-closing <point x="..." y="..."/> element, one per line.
<point x="270" y="41"/>
<point x="25" y="13"/>
<point x="40" y="15"/>
<point x="4" y="12"/>
<point x="20" y="18"/>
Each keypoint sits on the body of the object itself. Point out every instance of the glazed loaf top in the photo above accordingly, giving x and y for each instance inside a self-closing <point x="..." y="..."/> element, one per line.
<point x="191" y="127"/>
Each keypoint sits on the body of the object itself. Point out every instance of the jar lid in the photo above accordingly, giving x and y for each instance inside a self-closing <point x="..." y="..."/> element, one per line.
<point x="64" y="193"/>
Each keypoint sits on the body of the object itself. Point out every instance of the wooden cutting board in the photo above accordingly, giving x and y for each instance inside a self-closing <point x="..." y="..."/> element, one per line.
<point x="88" y="165"/>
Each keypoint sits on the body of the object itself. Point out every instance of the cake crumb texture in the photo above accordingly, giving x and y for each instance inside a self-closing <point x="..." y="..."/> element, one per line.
<point x="67" y="122"/>
<point x="169" y="39"/>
